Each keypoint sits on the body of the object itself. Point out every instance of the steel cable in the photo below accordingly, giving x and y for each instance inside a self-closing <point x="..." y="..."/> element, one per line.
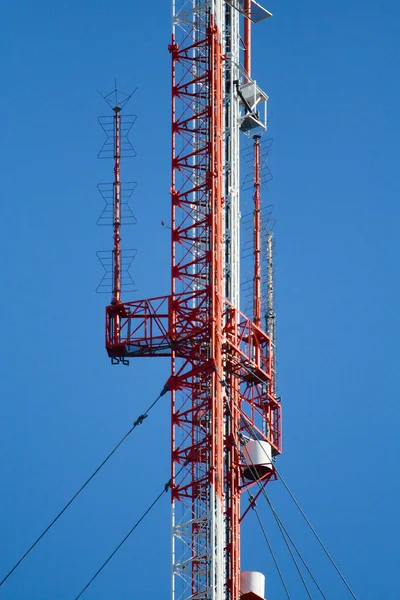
<point x="308" y="523"/>
<point x="254" y="473"/>
<point x="138" y="421"/>
<point x="281" y="525"/>
<point x="254" y="433"/>
<point x="255" y="476"/>
<point x="271" y="551"/>
<point x="316" y="535"/>
<point x="165" y="489"/>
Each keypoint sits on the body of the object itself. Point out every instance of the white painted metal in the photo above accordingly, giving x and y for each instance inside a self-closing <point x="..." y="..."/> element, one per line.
<point x="253" y="98"/>
<point x="257" y="12"/>
<point x="257" y="453"/>
<point x="198" y="570"/>
<point x="231" y="188"/>
<point x="252" y="582"/>
<point x="232" y="155"/>
<point x="253" y="94"/>
<point x="217" y="516"/>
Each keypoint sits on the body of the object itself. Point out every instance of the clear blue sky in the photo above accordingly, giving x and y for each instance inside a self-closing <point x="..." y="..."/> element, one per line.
<point x="331" y="71"/>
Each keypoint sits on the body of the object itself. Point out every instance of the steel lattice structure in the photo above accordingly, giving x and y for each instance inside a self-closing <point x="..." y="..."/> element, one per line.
<point x="222" y="380"/>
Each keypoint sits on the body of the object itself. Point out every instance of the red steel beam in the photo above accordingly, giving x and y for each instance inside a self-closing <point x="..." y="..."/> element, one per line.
<point x="257" y="235"/>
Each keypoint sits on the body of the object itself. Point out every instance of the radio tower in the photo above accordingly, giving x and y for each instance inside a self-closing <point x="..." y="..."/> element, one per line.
<point x="225" y="416"/>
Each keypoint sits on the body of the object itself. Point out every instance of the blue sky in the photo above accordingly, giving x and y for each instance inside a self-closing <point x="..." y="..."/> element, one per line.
<point x="331" y="72"/>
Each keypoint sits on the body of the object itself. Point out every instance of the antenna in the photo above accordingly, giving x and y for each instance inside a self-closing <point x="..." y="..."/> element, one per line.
<point x="257" y="234"/>
<point x="117" y="195"/>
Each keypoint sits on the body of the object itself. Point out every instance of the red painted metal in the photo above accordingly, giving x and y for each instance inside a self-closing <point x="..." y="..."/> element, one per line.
<point x="222" y="375"/>
<point x="257" y="235"/>
<point x="117" y="210"/>
<point x="170" y="326"/>
<point x="251" y="596"/>
<point x="197" y="276"/>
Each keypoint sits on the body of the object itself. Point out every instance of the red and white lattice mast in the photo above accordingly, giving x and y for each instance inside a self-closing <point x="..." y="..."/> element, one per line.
<point x="225" y="415"/>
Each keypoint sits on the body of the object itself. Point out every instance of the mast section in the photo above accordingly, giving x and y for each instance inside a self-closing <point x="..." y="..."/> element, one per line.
<point x="197" y="291"/>
<point x="225" y="423"/>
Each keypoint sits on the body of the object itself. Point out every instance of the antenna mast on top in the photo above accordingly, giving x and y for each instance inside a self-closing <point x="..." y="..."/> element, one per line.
<point x="116" y="195"/>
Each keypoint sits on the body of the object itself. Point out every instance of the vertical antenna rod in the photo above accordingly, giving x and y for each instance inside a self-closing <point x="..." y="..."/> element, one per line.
<point x="116" y="293"/>
<point x="257" y="234"/>
<point x="247" y="38"/>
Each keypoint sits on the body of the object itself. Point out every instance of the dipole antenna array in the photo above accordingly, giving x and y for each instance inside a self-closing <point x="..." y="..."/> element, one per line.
<point x="117" y="195"/>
